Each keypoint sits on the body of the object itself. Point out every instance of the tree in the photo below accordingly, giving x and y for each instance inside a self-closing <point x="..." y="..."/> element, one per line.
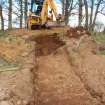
<point x="67" y="7"/>
<point x="25" y="11"/>
<point x="95" y="9"/>
<point x="91" y="14"/>
<point x="96" y="12"/>
<point x="10" y="14"/>
<point x="32" y="2"/>
<point x="67" y="11"/>
<point x="86" y="14"/>
<point x="96" y="6"/>
<point x="63" y="6"/>
<point x="80" y="13"/>
<point x="1" y="16"/>
<point x="21" y="13"/>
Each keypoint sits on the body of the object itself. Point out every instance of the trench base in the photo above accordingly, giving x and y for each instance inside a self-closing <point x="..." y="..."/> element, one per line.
<point x="57" y="83"/>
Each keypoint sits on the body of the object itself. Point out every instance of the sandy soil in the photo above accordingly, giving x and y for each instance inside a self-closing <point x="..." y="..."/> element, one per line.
<point x="58" y="84"/>
<point x="57" y="81"/>
<point x="16" y="86"/>
<point x="55" y="72"/>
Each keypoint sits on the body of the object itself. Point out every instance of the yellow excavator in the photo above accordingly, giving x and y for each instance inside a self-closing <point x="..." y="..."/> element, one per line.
<point x="42" y="17"/>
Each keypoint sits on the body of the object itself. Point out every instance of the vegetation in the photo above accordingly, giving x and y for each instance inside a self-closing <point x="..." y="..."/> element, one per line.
<point x="99" y="37"/>
<point x="3" y="33"/>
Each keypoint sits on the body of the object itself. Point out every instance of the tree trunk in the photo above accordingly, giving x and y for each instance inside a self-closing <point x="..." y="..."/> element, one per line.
<point x="80" y="13"/>
<point x="32" y="2"/>
<point x="96" y="12"/>
<point x="25" y="12"/>
<point x="10" y="15"/>
<point x="2" y="19"/>
<point x="67" y="7"/>
<point x="66" y="11"/>
<point x="63" y="7"/>
<point x="21" y="13"/>
<point x="86" y="14"/>
<point x="91" y="15"/>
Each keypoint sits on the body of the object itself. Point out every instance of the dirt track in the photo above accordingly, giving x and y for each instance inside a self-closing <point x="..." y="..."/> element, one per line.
<point x="58" y="70"/>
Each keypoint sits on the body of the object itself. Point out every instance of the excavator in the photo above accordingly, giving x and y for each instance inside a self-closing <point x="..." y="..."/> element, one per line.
<point x="42" y="17"/>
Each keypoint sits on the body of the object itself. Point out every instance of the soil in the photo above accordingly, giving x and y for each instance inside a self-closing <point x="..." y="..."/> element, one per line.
<point x="58" y="84"/>
<point x="16" y="86"/>
<point x="45" y="45"/>
<point x="57" y="70"/>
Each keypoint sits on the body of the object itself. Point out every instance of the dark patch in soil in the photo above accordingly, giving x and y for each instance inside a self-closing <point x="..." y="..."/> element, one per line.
<point x="46" y="45"/>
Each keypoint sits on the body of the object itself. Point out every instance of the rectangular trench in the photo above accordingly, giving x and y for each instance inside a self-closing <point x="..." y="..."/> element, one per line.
<point x="55" y="82"/>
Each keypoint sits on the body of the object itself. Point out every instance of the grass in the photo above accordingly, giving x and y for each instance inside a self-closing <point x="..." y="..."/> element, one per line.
<point x="101" y="52"/>
<point x="7" y="66"/>
<point x="3" y="33"/>
<point x="100" y="39"/>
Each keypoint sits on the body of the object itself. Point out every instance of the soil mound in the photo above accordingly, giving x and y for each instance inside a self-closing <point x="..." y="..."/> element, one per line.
<point x="77" y="32"/>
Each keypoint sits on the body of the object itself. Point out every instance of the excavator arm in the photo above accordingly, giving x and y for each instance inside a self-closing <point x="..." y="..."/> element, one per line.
<point x="53" y="7"/>
<point x="44" y="12"/>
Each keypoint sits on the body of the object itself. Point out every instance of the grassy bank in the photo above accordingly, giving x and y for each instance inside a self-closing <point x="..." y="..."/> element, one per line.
<point x="100" y="39"/>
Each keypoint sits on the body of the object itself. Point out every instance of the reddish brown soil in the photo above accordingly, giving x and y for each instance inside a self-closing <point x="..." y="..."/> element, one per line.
<point x="58" y="84"/>
<point x="47" y="44"/>
<point x="56" y="73"/>
<point x="74" y="77"/>
<point x="77" y="32"/>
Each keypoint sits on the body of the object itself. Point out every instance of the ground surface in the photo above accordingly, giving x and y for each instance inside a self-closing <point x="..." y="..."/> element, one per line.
<point x="56" y="69"/>
<point x="58" y="84"/>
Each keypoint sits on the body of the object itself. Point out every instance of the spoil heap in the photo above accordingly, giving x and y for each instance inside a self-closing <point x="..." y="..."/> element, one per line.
<point x="77" y="32"/>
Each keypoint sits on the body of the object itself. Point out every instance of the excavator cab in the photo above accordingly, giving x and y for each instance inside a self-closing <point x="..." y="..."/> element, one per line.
<point x="34" y="18"/>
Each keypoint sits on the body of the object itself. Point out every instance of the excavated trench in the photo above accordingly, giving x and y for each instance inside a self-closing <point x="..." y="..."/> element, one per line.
<point x="55" y="82"/>
<point x="46" y="45"/>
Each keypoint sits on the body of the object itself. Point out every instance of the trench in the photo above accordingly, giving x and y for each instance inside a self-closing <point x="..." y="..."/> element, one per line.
<point x="53" y="76"/>
<point x="56" y="78"/>
<point x="45" y="46"/>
